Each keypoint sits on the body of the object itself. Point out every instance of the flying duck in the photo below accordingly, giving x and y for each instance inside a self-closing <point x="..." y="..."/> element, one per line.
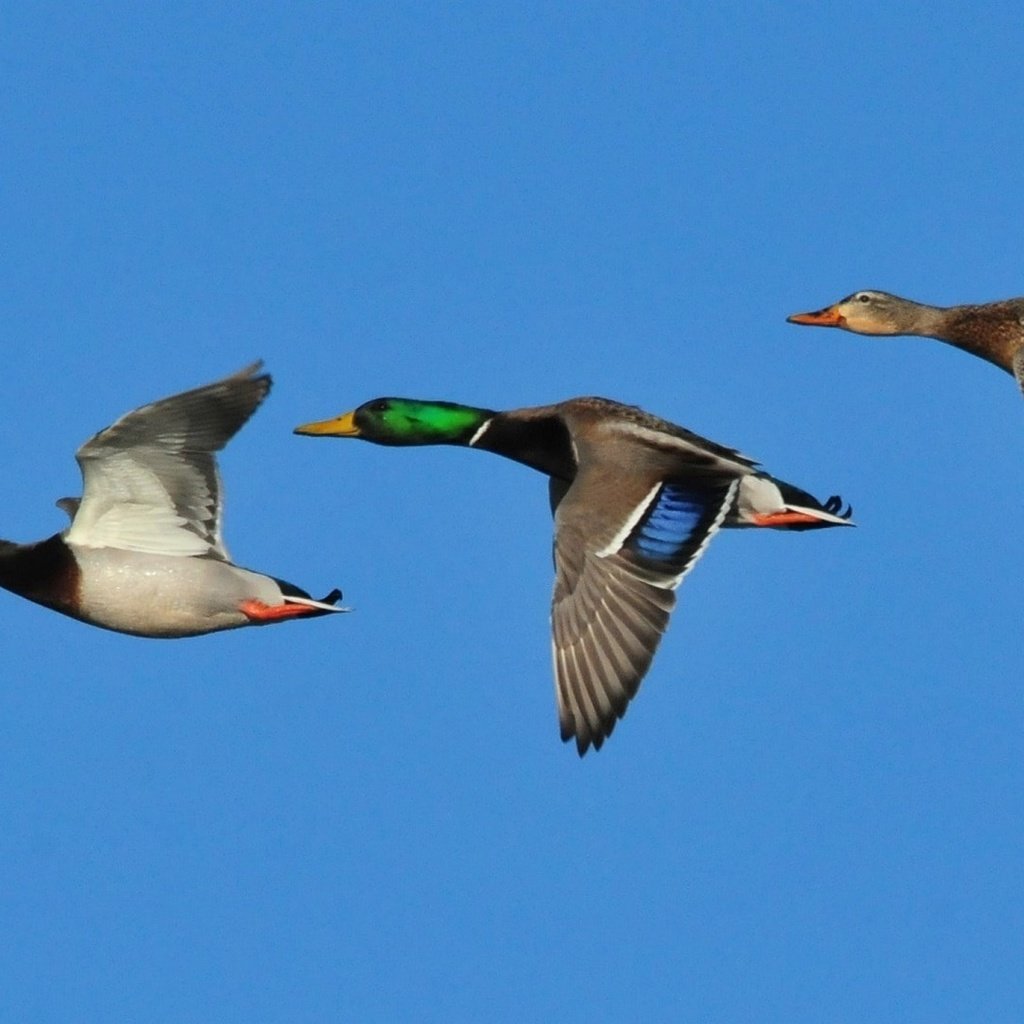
<point x="992" y="330"/>
<point x="635" y="500"/>
<point x="144" y="553"/>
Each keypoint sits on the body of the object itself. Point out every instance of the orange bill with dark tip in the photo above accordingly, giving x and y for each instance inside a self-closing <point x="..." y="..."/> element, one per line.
<point x="830" y="317"/>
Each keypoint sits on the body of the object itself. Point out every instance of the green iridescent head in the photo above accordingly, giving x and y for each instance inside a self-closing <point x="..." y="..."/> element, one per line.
<point x="403" y="421"/>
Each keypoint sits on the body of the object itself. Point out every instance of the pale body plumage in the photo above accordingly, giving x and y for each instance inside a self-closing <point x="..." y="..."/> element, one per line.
<point x="144" y="553"/>
<point x="168" y="595"/>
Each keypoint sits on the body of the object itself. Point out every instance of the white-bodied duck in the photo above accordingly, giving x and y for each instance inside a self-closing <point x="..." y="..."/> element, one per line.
<point x="989" y="330"/>
<point x="636" y="500"/>
<point x="144" y="552"/>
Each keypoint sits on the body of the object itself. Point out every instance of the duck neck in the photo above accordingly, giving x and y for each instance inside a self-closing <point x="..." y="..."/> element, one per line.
<point x="991" y="332"/>
<point x="922" y="320"/>
<point x="45" y="572"/>
<point x="540" y="442"/>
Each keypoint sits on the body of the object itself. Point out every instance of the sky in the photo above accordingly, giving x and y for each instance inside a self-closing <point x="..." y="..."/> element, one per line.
<point x="813" y="809"/>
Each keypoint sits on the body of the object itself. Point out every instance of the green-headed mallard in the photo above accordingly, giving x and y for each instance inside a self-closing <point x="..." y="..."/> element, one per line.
<point x="991" y="330"/>
<point x="144" y="553"/>
<point x="636" y="500"/>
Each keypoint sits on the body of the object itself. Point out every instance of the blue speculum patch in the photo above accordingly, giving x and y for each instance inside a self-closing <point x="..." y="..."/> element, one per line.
<point x="676" y="517"/>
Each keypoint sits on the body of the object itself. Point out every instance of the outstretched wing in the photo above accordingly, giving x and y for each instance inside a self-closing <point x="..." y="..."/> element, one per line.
<point x="150" y="480"/>
<point x="617" y="564"/>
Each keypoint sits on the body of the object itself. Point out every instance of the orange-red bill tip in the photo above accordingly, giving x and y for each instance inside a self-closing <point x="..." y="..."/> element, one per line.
<point x="830" y="317"/>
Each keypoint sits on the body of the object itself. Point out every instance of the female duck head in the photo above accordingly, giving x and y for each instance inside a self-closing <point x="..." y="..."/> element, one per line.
<point x="404" y="421"/>
<point x="871" y="312"/>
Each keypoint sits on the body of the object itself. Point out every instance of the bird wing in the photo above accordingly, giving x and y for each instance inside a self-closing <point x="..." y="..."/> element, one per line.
<point x="150" y="481"/>
<point x="617" y="564"/>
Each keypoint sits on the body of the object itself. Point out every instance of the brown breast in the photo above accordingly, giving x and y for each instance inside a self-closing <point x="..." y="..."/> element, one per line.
<point x="46" y="573"/>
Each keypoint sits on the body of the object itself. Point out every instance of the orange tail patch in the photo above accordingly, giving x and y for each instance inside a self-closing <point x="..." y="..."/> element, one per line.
<point x="259" y="613"/>
<point x="784" y="518"/>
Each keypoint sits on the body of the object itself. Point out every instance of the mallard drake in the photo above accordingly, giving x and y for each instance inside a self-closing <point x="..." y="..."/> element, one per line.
<point x="991" y="330"/>
<point x="144" y="553"/>
<point x="635" y="499"/>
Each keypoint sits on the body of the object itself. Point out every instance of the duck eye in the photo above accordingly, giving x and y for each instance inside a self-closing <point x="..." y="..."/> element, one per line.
<point x="380" y="405"/>
<point x="863" y="297"/>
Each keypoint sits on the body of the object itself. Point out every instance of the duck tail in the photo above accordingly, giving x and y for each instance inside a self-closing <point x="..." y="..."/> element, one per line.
<point x="293" y="595"/>
<point x="809" y="513"/>
<point x="765" y="501"/>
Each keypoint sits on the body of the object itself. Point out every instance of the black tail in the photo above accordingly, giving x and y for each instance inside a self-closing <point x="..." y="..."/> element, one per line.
<point x="833" y="506"/>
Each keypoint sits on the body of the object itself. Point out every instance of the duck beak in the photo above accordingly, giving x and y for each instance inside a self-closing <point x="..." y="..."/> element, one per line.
<point x="342" y="426"/>
<point x="829" y="317"/>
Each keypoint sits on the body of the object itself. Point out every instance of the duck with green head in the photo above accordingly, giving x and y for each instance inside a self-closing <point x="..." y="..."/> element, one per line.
<point x="635" y="499"/>
<point x="990" y="330"/>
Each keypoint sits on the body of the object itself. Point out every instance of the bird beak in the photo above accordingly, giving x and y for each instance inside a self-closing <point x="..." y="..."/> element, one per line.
<point x="830" y="317"/>
<point x="342" y="426"/>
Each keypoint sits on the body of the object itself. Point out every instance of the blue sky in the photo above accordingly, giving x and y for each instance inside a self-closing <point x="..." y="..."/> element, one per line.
<point x="813" y="810"/>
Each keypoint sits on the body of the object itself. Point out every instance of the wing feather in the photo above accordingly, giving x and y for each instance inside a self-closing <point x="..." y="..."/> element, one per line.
<point x="150" y="480"/>
<point x="615" y="576"/>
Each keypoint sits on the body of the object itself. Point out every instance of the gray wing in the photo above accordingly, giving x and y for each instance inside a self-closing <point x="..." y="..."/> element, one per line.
<point x="150" y="480"/>
<point x="619" y="555"/>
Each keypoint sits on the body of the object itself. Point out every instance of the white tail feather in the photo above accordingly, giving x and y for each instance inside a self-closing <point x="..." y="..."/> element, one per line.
<point x="310" y="603"/>
<point x="818" y="513"/>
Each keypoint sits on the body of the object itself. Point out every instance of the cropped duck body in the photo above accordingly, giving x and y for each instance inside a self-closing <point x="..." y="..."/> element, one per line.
<point x="144" y="553"/>
<point x="636" y="500"/>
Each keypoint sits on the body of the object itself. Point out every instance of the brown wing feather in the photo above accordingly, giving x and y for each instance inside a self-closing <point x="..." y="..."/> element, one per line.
<point x="605" y="632"/>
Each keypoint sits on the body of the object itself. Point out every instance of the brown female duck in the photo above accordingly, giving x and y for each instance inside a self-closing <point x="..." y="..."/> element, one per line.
<point x="144" y="553"/>
<point x="991" y="330"/>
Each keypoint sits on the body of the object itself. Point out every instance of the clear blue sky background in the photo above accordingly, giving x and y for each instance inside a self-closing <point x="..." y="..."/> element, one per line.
<point x="813" y="811"/>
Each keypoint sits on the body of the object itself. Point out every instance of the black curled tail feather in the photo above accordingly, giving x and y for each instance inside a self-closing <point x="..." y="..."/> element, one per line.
<point x="833" y="505"/>
<point x="290" y="590"/>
